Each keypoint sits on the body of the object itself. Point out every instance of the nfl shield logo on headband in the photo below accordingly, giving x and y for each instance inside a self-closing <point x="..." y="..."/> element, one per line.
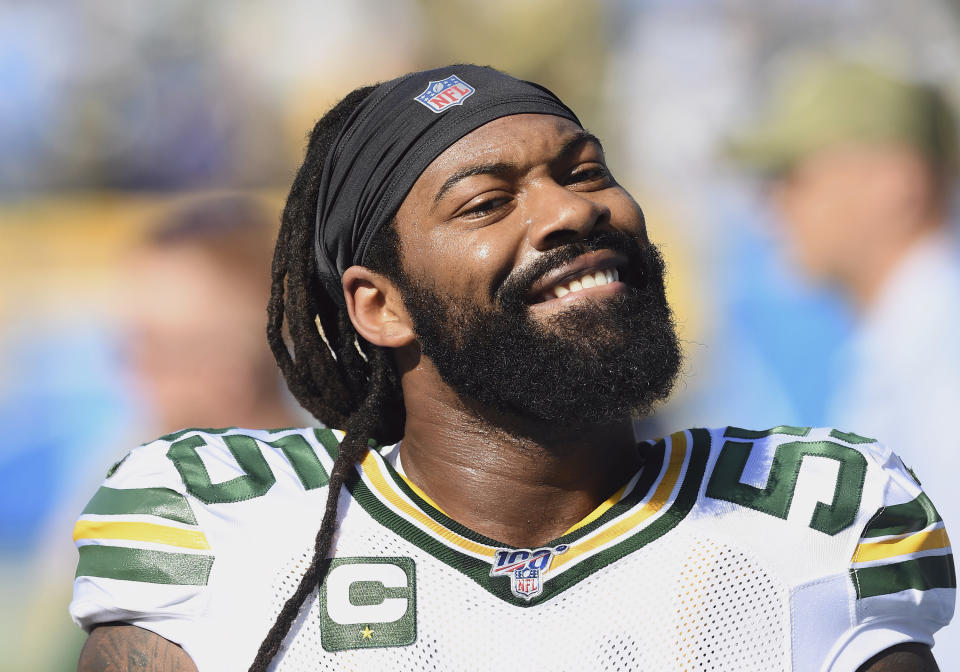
<point x="445" y="93"/>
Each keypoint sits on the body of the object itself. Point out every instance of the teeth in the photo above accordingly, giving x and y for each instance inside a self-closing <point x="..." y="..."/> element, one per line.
<point x="588" y="280"/>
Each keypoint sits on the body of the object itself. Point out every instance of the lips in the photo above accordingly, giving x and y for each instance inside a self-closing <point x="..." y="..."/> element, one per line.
<point x="591" y="273"/>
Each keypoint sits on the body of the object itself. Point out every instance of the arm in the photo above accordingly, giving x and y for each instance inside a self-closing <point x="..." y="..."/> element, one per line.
<point x="909" y="657"/>
<point x="117" y="647"/>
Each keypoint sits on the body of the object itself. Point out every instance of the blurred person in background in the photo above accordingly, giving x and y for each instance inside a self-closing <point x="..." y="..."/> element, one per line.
<point x="863" y="167"/>
<point x="193" y="317"/>
<point x="189" y="326"/>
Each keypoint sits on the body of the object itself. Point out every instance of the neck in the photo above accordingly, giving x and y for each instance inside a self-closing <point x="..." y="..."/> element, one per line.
<point x="518" y="481"/>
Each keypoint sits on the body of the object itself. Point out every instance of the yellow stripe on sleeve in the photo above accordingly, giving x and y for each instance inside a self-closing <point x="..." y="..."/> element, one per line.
<point x="159" y="534"/>
<point x="890" y="548"/>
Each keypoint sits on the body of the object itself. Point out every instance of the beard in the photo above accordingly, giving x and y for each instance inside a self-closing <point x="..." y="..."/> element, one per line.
<point x="597" y="361"/>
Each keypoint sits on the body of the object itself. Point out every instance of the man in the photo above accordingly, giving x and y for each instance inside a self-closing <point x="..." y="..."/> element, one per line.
<point x="467" y="285"/>
<point x="192" y="306"/>
<point x="863" y="167"/>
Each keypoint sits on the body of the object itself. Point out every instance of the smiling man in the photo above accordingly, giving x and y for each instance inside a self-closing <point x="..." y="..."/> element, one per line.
<point x="472" y="297"/>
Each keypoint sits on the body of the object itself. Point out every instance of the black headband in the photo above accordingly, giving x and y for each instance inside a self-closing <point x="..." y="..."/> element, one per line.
<point x="388" y="141"/>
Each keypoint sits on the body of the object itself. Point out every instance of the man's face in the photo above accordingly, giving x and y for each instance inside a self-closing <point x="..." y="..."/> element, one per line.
<point x="529" y="277"/>
<point x="187" y="319"/>
<point x="840" y="201"/>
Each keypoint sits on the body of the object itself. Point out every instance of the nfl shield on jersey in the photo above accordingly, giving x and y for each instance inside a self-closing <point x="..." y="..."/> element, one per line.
<point x="787" y="549"/>
<point x="525" y="568"/>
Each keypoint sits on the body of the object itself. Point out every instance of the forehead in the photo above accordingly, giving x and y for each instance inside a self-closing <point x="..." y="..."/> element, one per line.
<point x="521" y="139"/>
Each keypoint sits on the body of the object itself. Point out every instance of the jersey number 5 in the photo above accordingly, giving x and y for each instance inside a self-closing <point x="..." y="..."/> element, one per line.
<point x="775" y="499"/>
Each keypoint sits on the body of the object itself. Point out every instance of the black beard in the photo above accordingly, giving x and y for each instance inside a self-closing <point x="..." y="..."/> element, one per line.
<point x="599" y="361"/>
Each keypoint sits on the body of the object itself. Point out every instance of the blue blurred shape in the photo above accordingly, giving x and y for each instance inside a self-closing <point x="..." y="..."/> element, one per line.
<point x="62" y="411"/>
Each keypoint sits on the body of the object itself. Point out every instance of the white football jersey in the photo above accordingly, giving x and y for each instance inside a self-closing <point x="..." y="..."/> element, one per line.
<point x="788" y="549"/>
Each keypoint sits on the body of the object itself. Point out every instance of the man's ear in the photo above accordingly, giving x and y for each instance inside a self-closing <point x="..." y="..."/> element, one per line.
<point x="376" y="308"/>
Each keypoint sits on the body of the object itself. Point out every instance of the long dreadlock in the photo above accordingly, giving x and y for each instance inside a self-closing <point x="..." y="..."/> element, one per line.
<point x="334" y="373"/>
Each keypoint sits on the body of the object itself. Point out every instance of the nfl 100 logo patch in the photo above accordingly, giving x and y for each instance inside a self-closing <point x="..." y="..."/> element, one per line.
<point x="445" y="93"/>
<point x="526" y="568"/>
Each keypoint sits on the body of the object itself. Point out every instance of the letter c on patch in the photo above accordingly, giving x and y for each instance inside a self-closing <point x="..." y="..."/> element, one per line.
<point x="344" y="612"/>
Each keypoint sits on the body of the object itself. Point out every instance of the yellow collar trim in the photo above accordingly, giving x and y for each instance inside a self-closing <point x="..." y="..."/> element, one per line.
<point x="424" y="496"/>
<point x="663" y="489"/>
<point x="592" y="516"/>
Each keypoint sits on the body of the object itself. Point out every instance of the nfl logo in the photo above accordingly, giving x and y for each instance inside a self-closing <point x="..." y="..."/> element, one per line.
<point x="526" y="582"/>
<point x="445" y="93"/>
<point x="526" y="568"/>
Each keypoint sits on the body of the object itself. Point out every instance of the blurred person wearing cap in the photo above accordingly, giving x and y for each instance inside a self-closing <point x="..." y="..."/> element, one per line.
<point x="862" y="167"/>
<point x="191" y="315"/>
<point x="473" y="299"/>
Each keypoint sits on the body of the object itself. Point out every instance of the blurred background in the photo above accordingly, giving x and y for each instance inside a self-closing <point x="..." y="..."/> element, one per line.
<point x="795" y="161"/>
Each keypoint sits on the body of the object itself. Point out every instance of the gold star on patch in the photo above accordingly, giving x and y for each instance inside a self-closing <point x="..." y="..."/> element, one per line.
<point x="367" y="632"/>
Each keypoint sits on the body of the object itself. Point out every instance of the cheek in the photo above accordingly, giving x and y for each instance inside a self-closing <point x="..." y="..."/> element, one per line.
<point x="818" y="226"/>
<point x="474" y="263"/>
<point x="481" y="253"/>
<point x="818" y="215"/>
<point x="625" y="214"/>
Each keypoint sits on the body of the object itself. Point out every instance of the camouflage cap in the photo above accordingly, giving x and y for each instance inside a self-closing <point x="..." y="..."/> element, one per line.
<point x="830" y="102"/>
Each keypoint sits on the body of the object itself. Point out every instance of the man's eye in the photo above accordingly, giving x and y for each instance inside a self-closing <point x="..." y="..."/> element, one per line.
<point x="589" y="174"/>
<point x="485" y="207"/>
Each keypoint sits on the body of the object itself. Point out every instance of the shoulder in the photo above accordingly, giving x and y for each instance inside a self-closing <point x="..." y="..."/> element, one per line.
<point x="196" y="479"/>
<point x="845" y="521"/>
<point x="220" y="466"/>
<point x="180" y="511"/>
<point x="232" y="465"/>
<point x="845" y="478"/>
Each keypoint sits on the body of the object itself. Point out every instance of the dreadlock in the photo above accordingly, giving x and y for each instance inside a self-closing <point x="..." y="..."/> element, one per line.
<point x="333" y="372"/>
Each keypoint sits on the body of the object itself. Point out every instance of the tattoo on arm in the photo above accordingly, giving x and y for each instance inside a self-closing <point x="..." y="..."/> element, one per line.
<point x="127" y="648"/>
<point x="909" y="657"/>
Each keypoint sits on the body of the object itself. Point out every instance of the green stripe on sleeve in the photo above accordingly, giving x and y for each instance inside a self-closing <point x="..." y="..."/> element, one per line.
<point x="740" y="433"/>
<point x="912" y="516"/>
<point x="161" y="502"/>
<point x="933" y="571"/>
<point x="137" y="564"/>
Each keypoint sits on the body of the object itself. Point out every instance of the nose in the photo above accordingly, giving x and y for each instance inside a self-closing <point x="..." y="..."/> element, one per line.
<point x="558" y="215"/>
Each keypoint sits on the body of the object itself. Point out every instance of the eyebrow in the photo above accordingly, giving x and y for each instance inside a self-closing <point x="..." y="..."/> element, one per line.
<point x="499" y="168"/>
<point x="578" y="140"/>
<point x="574" y="143"/>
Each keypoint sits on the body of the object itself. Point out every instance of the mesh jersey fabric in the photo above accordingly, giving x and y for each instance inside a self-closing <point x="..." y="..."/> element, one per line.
<point x="787" y="549"/>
